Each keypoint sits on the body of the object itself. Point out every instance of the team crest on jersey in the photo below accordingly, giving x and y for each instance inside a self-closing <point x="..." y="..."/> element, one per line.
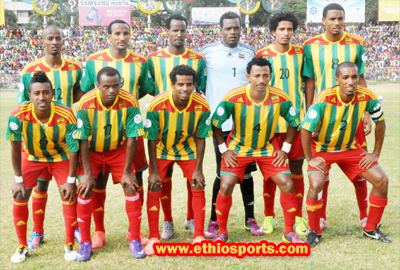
<point x="92" y="106"/>
<point x="361" y="97"/>
<point x="137" y="119"/>
<point x="275" y="99"/>
<point x="198" y="108"/>
<point x="147" y="123"/>
<point x="292" y="111"/>
<point x="121" y="104"/>
<point x="79" y="123"/>
<point x="164" y="107"/>
<point x="13" y="126"/>
<point x="60" y="121"/>
<point x="220" y="111"/>
<point x="312" y="114"/>
<point x="71" y="66"/>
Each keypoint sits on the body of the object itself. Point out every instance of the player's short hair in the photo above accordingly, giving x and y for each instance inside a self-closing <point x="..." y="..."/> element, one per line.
<point x="40" y="77"/>
<point x="109" y="27"/>
<point x="108" y="71"/>
<point x="276" y="18"/>
<point x="177" y="17"/>
<point x="331" y="6"/>
<point x="52" y="26"/>
<point x="228" y="15"/>
<point x="181" y="70"/>
<point x="258" y="61"/>
<point x="344" y="65"/>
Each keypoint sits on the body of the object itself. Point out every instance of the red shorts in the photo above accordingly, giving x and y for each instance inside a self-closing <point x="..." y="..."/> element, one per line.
<point x="108" y="162"/>
<point x="264" y="163"/>
<point x="360" y="136"/>
<point x="187" y="166"/>
<point x="31" y="170"/>
<point x="140" y="161"/>
<point x="296" y="151"/>
<point x="348" y="161"/>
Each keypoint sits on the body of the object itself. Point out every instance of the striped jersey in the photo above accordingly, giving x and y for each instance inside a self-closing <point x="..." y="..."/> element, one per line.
<point x="133" y="69"/>
<point x="105" y="128"/>
<point x="64" y="79"/>
<point x="162" y="62"/>
<point x="334" y="123"/>
<point x="286" y="75"/>
<point x="322" y="56"/>
<point x="175" y="130"/>
<point x="226" y="70"/>
<point x="254" y="124"/>
<point x="44" y="142"/>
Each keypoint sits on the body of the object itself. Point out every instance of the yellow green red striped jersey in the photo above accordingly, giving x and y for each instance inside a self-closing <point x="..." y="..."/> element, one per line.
<point x="254" y="124"/>
<point x="44" y="142"/>
<point x="105" y="128"/>
<point x="64" y="79"/>
<point x="133" y="69"/>
<point x="286" y="75"/>
<point x="176" y="130"/>
<point x="162" y="62"/>
<point x="334" y="123"/>
<point x="322" y="56"/>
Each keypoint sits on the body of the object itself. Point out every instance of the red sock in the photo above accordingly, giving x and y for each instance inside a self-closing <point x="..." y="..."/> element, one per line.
<point x="189" y="214"/>
<point x="269" y="197"/>
<point x="288" y="203"/>
<point x="314" y="213"/>
<point x="141" y="195"/>
<point x="20" y="217"/>
<point x="298" y="182"/>
<point x="360" y="186"/>
<point x="325" y="199"/>
<point x="84" y="211"/>
<point x="39" y="200"/>
<point x="133" y="209"/>
<point x="199" y="205"/>
<point x="69" y="212"/>
<point x="166" y="193"/>
<point x="222" y="207"/>
<point x="99" y="199"/>
<point x="153" y="213"/>
<point x="376" y="207"/>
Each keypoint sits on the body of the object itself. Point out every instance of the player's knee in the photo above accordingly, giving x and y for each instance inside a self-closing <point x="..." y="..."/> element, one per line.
<point x="286" y="185"/>
<point x="155" y="187"/>
<point x="42" y="185"/>
<point x="382" y="183"/>
<point x="317" y="186"/>
<point x="226" y="188"/>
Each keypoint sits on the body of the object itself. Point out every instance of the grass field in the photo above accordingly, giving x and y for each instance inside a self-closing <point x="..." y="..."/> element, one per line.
<point x="342" y="248"/>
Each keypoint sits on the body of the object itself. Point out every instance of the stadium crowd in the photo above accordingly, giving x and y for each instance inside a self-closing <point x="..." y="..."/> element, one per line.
<point x="19" y="46"/>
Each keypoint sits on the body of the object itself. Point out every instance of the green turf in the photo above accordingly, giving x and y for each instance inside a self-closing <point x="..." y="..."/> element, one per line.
<point x="342" y="247"/>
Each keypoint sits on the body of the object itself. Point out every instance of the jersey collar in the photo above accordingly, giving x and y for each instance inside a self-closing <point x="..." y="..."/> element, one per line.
<point x="101" y="103"/>
<point x="333" y="42"/>
<point x="117" y="59"/>
<point x="171" y="54"/>
<point x="271" y="47"/>
<point x="251" y="99"/>
<point x="171" y="100"/>
<point x="52" y="110"/>
<point x="51" y="68"/>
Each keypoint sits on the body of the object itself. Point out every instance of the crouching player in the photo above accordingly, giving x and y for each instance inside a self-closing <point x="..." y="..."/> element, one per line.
<point x="255" y="110"/>
<point x="176" y="126"/>
<point x="328" y="136"/>
<point x="46" y="129"/>
<point x="108" y="125"/>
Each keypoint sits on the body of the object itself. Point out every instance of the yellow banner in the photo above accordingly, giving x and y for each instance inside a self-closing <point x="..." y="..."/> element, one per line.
<point x="2" y="15"/>
<point x="389" y="10"/>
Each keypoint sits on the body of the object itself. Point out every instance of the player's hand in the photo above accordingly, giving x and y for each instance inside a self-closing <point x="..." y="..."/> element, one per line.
<point x="17" y="188"/>
<point x="154" y="181"/>
<point x="230" y="158"/>
<point x="281" y="158"/>
<point x="367" y="123"/>
<point x="86" y="185"/>
<point x="198" y="178"/>
<point x="129" y="183"/>
<point x="68" y="192"/>
<point x="368" y="160"/>
<point x="319" y="163"/>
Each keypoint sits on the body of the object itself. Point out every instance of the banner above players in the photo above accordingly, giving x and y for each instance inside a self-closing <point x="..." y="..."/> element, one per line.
<point x="354" y="10"/>
<point x="210" y="15"/>
<point x="389" y="11"/>
<point x="102" y="12"/>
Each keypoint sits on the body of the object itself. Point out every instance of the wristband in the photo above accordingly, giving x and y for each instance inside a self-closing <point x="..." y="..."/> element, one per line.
<point x="222" y="148"/>
<point x="71" y="180"/>
<point x="286" y="147"/>
<point x="19" y="179"/>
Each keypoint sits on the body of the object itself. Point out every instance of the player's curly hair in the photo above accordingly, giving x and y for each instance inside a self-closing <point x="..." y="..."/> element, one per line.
<point x="40" y="77"/>
<point x="258" y="61"/>
<point x="181" y="70"/>
<point x="276" y="18"/>
<point x="228" y="15"/>
<point x="177" y="17"/>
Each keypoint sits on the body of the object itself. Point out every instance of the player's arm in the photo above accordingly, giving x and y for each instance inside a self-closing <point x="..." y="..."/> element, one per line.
<point x="309" y="91"/>
<point x="152" y="130"/>
<point x="18" y="184"/>
<point x="129" y="182"/>
<point x="367" y="122"/>
<point x="146" y="83"/>
<point x="308" y="74"/>
<point x="77" y="93"/>
<point x="24" y="88"/>
<point x="89" y="78"/>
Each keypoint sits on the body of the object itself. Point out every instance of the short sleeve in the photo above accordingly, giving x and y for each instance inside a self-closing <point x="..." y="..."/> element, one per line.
<point x="204" y="125"/>
<point x="88" y="79"/>
<point x="152" y="125"/>
<point x="313" y="117"/>
<point x="83" y="125"/>
<point x="14" y="129"/>
<point x="288" y="111"/>
<point x="134" y="123"/>
<point x="374" y="108"/>
<point x="222" y="113"/>
<point x="71" y="138"/>
<point x="308" y="66"/>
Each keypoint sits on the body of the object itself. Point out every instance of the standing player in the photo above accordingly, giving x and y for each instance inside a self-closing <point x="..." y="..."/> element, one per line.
<point x="109" y="123"/>
<point x="46" y="129"/>
<point x="322" y="54"/>
<point x="255" y="110"/>
<point x="135" y="78"/>
<point x="226" y="62"/>
<point x="161" y="64"/>
<point x="64" y="75"/>
<point x="286" y="60"/>
<point x="335" y="143"/>
<point x="176" y="125"/>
